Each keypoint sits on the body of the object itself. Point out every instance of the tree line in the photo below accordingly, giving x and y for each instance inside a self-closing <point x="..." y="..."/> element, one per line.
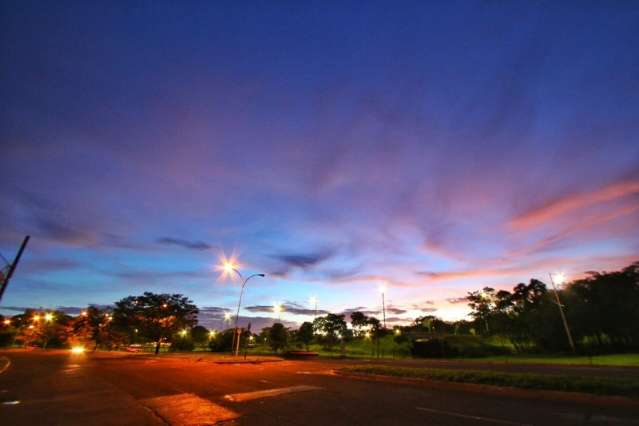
<point x="602" y="313"/>
<point x="601" y="310"/>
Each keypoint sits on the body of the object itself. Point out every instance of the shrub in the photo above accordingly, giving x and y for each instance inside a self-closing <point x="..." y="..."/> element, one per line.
<point x="182" y="345"/>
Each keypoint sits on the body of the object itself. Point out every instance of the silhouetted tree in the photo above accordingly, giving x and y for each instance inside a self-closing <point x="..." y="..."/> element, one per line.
<point x="305" y="334"/>
<point x="157" y="317"/>
<point x="277" y="337"/>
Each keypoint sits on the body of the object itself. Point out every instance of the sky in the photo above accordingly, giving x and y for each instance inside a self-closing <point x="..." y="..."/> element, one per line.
<point x="433" y="148"/>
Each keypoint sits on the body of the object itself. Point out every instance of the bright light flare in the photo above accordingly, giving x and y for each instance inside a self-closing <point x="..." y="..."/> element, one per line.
<point x="48" y="317"/>
<point x="559" y="278"/>
<point x="84" y="313"/>
<point x="227" y="316"/>
<point x="77" y="350"/>
<point x="212" y="333"/>
<point x="184" y="332"/>
<point x="36" y="318"/>
<point x="398" y="331"/>
<point x="277" y="308"/>
<point x="7" y="322"/>
<point x="227" y="266"/>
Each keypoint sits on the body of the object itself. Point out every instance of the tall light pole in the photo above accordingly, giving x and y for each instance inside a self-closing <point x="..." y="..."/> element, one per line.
<point x="382" y="290"/>
<point x="560" y="278"/>
<point x="230" y="268"/>
<point x="313" y="301"/>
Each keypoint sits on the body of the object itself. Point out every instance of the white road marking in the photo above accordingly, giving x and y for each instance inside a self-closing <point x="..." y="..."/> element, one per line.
<point x="4" y="363"/>
<point x="595" y="419"/>
<point x="247" y="396"/>
<point x="471" y="417"/>
<point x="187" y="409"/>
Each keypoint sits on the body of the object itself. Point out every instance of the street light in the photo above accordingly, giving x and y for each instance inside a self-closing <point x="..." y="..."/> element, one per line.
<point x="382" y="290"/>
<point x="560" y="278"/>
<point x="48" y="317"/>
<point x="229" y="266"/>
<point x="277" y="308"/>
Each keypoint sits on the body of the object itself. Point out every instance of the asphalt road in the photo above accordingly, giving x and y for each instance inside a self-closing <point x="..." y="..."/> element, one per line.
<point x="58" y="388"/>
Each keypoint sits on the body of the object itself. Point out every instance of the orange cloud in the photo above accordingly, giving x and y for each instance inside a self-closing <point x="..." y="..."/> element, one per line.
<point x="570" y="203"/>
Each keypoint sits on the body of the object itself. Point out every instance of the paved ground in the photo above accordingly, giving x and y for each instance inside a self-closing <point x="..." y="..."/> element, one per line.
<point x="57" y="388"/>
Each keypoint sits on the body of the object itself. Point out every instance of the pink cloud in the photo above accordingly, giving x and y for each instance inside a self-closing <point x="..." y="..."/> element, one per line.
<point x="570" y="203"/>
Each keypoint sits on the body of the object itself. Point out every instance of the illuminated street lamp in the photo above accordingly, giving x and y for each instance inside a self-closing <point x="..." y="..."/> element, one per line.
<point x="560" y="278"/>
<point x="277" y="308"/>
<point x="382" y="290"/>
<point x="77" y="349"/>
<point x="48" y="317"/>
<point x="7" y="322"/>
<point x="36" y="318"/>
<point x="230" y="267"/>
<point x="84" y="313"/>
<point x="184" y="332"/>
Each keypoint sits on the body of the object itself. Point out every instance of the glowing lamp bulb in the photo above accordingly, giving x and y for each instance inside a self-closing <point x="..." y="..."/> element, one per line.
<point x="77" y="349"/>
<point x="559" y="278"/>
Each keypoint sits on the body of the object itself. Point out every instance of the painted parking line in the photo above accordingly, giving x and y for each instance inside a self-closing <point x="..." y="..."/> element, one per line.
<point x="187" y="409"/>
<point x="247" y="396"/>
<point x="471" y="417"/>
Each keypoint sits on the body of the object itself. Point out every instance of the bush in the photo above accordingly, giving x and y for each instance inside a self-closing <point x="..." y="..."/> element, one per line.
<point x="6" y="338"/>
<point x="432" y="348"/>
<point x="223" y="341"/>
<point x="455" y="346"/>
<point x="182" y="345"/>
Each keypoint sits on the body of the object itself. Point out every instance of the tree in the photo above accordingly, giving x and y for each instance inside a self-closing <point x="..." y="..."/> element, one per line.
<point x="200" y="335"/>
<point x="222" y="341"/>
<point x="359" y="321"/>
<point x="157" y="317"/>
<point x="330" y="329"/>
<point x="92" y="327"/>
<point x="278" y="336"/>
<point x="305" y="333"/>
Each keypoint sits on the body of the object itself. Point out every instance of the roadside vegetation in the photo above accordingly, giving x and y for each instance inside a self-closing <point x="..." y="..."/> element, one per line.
<point x="595" y="385"/>
<point x="520" y="326"/>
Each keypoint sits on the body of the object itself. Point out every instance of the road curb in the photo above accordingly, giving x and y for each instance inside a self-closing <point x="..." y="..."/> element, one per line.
<point x="549" y="395"/>
<point x="5" y="362"/>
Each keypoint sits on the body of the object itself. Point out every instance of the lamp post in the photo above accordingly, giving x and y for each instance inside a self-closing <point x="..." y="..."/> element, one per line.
<point x="560" y="278"/>
<point x="313" y="301"/>
<point x="382" y="290"/>
<point x="230" y="268"/>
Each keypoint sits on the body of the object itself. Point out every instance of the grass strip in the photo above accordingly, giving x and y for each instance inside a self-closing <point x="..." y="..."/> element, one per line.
<point x="594" y="385"/>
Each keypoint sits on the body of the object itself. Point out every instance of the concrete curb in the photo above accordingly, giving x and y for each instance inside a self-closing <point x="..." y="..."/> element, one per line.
<point x="549" y="395"/>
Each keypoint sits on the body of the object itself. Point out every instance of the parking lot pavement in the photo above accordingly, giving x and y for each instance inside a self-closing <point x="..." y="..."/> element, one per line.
<point x="66" y="389"/>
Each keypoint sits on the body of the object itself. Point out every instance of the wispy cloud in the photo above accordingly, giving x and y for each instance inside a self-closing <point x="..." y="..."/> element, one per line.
<point x="562" y="206"/>
<point x="187" y="244"/>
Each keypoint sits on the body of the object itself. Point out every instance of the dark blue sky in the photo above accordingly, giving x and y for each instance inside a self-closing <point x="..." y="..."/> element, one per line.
<point x="432" y="147"/>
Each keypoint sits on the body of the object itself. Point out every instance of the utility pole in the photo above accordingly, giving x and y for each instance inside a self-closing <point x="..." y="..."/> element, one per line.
<point x="563" y="316"/>
<point x="12" y="267"/>
<point x="384" y="310"/>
